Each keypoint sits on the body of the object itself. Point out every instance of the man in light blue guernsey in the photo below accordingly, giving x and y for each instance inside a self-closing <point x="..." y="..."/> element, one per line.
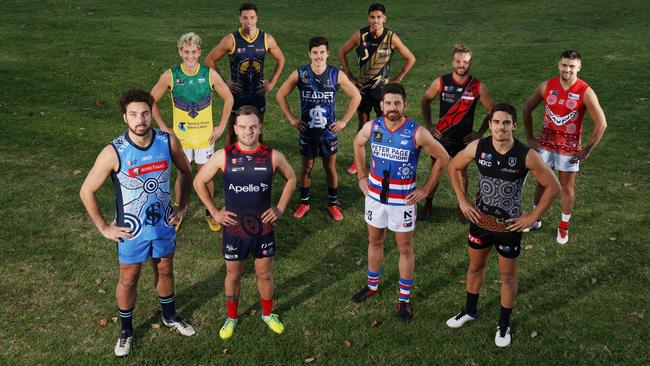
<point x="318" y="126"/>
<point x="139" y="164"/>
<point x="390" y="188"/>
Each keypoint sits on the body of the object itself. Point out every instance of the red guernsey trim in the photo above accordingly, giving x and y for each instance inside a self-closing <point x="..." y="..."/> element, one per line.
<point x="458" y="110"/>
<point x="393" y="181"/>
<point x="148" y="168"/>
<point x="390" y="195"/>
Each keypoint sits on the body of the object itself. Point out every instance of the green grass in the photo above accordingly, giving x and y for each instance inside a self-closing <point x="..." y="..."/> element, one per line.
<point x="63" y="66"/>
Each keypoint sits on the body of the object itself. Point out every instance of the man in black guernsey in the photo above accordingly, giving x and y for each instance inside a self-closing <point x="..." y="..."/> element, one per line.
<point x="374" y="48"/>
<point x="496" y="217"/>
<point x="458" y="93"/>
<point x="248" y="216"/>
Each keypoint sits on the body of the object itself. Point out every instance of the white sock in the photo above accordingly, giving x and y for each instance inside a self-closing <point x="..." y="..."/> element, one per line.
<point x="566" y="217"/>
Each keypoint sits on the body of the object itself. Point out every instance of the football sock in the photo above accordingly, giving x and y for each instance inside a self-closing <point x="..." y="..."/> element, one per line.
<point x="267" y="305"/>
<point x="167" y="303"/>
<point x="231" y="307"/>
<point x="207" y="213"/>
<point x="405" y="289"/>
<point x="564" y="224"/>
<point x="126" y="317"/>
<point x="373" y="280"/>
<point x="504" y="319"/>
<point x="470" y="303"/>
<point x="332" y="196"/>
<point x="428" y="202"/>
<point x="304" y="195"/>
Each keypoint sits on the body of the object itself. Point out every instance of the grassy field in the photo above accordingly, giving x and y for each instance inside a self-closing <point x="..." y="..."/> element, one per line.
<point x="63" y="65"/>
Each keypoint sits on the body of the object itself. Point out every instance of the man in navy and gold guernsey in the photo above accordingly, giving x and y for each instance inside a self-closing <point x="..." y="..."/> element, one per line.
<point x="374" y="47"/>
<point x="190" y="86"/>
<point x="318" y="126"/>
<point x="139" y="163"/>
<point x="496" y="217"/>
<point x="248" y="216"/>
<point x="247" y="48"/>
<point x="390" y="188"/>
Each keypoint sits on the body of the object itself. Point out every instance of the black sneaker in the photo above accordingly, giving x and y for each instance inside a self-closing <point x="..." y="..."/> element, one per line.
<point x="365" y="293"/>
<point x="404" y="311"/>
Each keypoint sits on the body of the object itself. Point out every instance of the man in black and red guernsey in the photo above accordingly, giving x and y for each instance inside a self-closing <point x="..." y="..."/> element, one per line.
<point x="458" y="91"/>
<point x="248" y="216"/>
<point x="496" y="216"/>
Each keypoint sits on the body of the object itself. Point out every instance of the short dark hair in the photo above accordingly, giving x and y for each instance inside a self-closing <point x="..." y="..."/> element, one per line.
<point x="504" y="107"/>
<point x="318" y="41"/>
<point x="247" y="110"/>
<point x="571" y="55"/>
<point x="393" y="88"/>
<point x="375" y="7"/>
<point x="135" y="95"/>
<point x="247" y="6"/>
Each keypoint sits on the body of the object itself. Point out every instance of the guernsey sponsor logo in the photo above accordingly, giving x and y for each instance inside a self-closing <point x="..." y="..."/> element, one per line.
<point x="148" y="168"/>
<point x="391" y="153"/>
<point x="250" y="188"/>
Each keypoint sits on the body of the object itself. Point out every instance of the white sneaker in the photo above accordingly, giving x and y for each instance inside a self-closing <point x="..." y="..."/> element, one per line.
<point x="459" y="319"/>
<point x="181" y="326"/>
<point x="503" y="337"/>
<point x="124" y="344"/>
<point x="536" y="225"/>
<point x="562" y="236"/>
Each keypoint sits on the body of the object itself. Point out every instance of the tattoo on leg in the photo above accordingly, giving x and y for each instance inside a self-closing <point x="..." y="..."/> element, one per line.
<point x="231" y="298"/>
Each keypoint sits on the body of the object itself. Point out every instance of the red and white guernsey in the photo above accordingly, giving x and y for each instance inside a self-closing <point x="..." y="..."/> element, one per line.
<point x="563" y="115"/>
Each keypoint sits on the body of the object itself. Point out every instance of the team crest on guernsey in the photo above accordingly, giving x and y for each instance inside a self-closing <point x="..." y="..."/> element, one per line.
<point x="512" y="161"/>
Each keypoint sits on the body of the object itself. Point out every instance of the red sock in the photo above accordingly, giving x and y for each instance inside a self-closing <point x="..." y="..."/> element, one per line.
<point x="267" y="305"/>
<point x="564" y="225"/>
<point x="231" y="306"/>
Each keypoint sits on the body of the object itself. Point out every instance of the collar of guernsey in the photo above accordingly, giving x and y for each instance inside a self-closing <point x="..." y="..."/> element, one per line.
<point x="192" y="106"/>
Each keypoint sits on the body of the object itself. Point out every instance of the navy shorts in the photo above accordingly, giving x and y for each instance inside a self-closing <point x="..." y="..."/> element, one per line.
<point x="507" y="244"/>
<point x="238" y="247"/>
<point x="256" y="100"/>
<point x="311" y="148"/>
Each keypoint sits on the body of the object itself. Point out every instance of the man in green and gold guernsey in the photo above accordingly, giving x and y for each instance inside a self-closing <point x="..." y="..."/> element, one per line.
<point x="190" y="86"/>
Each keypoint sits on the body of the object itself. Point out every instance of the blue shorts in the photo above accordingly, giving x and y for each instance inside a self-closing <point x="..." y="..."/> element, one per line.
<point x="256" y="100"/>
<point x="313" y="148"/>
<point x="138" y="251"/>
<point x="238" y="247"/>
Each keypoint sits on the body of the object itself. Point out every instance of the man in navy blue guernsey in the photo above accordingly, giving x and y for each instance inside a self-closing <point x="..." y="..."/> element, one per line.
<point x="247" y="48"/>
<point x="248" y="216"/>
<point x="318" y="126"/>
<point x="139" y="163"/>
<point x="390" y="188"/>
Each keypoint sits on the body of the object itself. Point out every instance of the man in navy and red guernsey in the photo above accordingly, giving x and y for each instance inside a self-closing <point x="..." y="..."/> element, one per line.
<point x="459" y="93"/>
<point x="390" y="188"/>
<point x="248" y="217"/>
<point x="567" y="98"/>
<point x="496" y="217"/>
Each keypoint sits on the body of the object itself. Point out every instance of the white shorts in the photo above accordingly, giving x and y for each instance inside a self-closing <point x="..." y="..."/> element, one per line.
<point x="397" y="218"/>
<point x="199" y="156"/>
<point x="559" y="162"/>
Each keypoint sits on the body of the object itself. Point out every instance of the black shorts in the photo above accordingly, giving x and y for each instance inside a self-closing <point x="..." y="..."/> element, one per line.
<point x="452" y="148"/>
<point x="256" y="100"/>
<point x="507" y="244"/>
<point x="237" y="247"/>
<point x="313" y="148"/>
<point x="370" y="99"/>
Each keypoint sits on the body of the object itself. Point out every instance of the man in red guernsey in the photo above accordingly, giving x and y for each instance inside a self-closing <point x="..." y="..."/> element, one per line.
<point x="560" y="143"/>
<point x="248" y="216"/>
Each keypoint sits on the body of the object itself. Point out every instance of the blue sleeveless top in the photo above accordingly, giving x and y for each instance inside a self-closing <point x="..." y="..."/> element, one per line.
<point x="318" y="100"/>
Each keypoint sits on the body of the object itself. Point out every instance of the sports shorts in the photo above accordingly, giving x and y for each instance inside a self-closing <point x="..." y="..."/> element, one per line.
<point x="507" y="244"/>
<point x="312" y="148"/>
<point x="371" y="99"/>
<point x="199" y="156"/>
<point x="256" y="100"/>
<point x="396" y="218"/>
<point x="559" y="162"/>
<point x="237" y="247"/>
<point x="138" y="251"/>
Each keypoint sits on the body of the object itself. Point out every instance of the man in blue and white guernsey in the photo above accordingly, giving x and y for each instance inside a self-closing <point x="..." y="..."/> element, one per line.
<point x="318" y="83"/>
<point x="139" y="164"/>
<point x="390" y="188"/>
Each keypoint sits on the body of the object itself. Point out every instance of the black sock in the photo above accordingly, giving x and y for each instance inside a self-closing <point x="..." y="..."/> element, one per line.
<point x="470" y="303"/>
<point x="207" y="213"/>
<point x="304" y="195"/>
<point x="504" y="319"/>
<point x="332" y="196"/>
<point x="428" y="202"/>
<point x="126" y="316"/>
<point x="167" y="303"/>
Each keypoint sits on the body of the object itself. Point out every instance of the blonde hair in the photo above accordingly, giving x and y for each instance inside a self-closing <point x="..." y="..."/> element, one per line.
<point x="461" y="48"/>
<point x="189" y="39"/>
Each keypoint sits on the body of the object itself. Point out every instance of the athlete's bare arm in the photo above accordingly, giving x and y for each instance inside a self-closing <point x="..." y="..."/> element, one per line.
<point x="184" y="177"/>
<point x="158" y="92"/>
<point x="425" y="105"/>
<point x="343" y="55"/>
<point x="486" y="101"/>
<point x="226" y="45"/>
<point x="281" y="97"/>
<point x="222" y="89"/>
<point x="532" y="103"/>
<point x="360" y="141"/>
<point x="409" y="57"/>
<point x="600" y="124"/>
<point x="215" y="164"/>
<point x="105" y="164"/>
<point x="457" y="165"/>
<point x="283" y="167"/>
<point x="276" y="53"/>
<point x="424" y="139"/>
<point x="546" y="179"/>
<point x="355" y="98"/>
